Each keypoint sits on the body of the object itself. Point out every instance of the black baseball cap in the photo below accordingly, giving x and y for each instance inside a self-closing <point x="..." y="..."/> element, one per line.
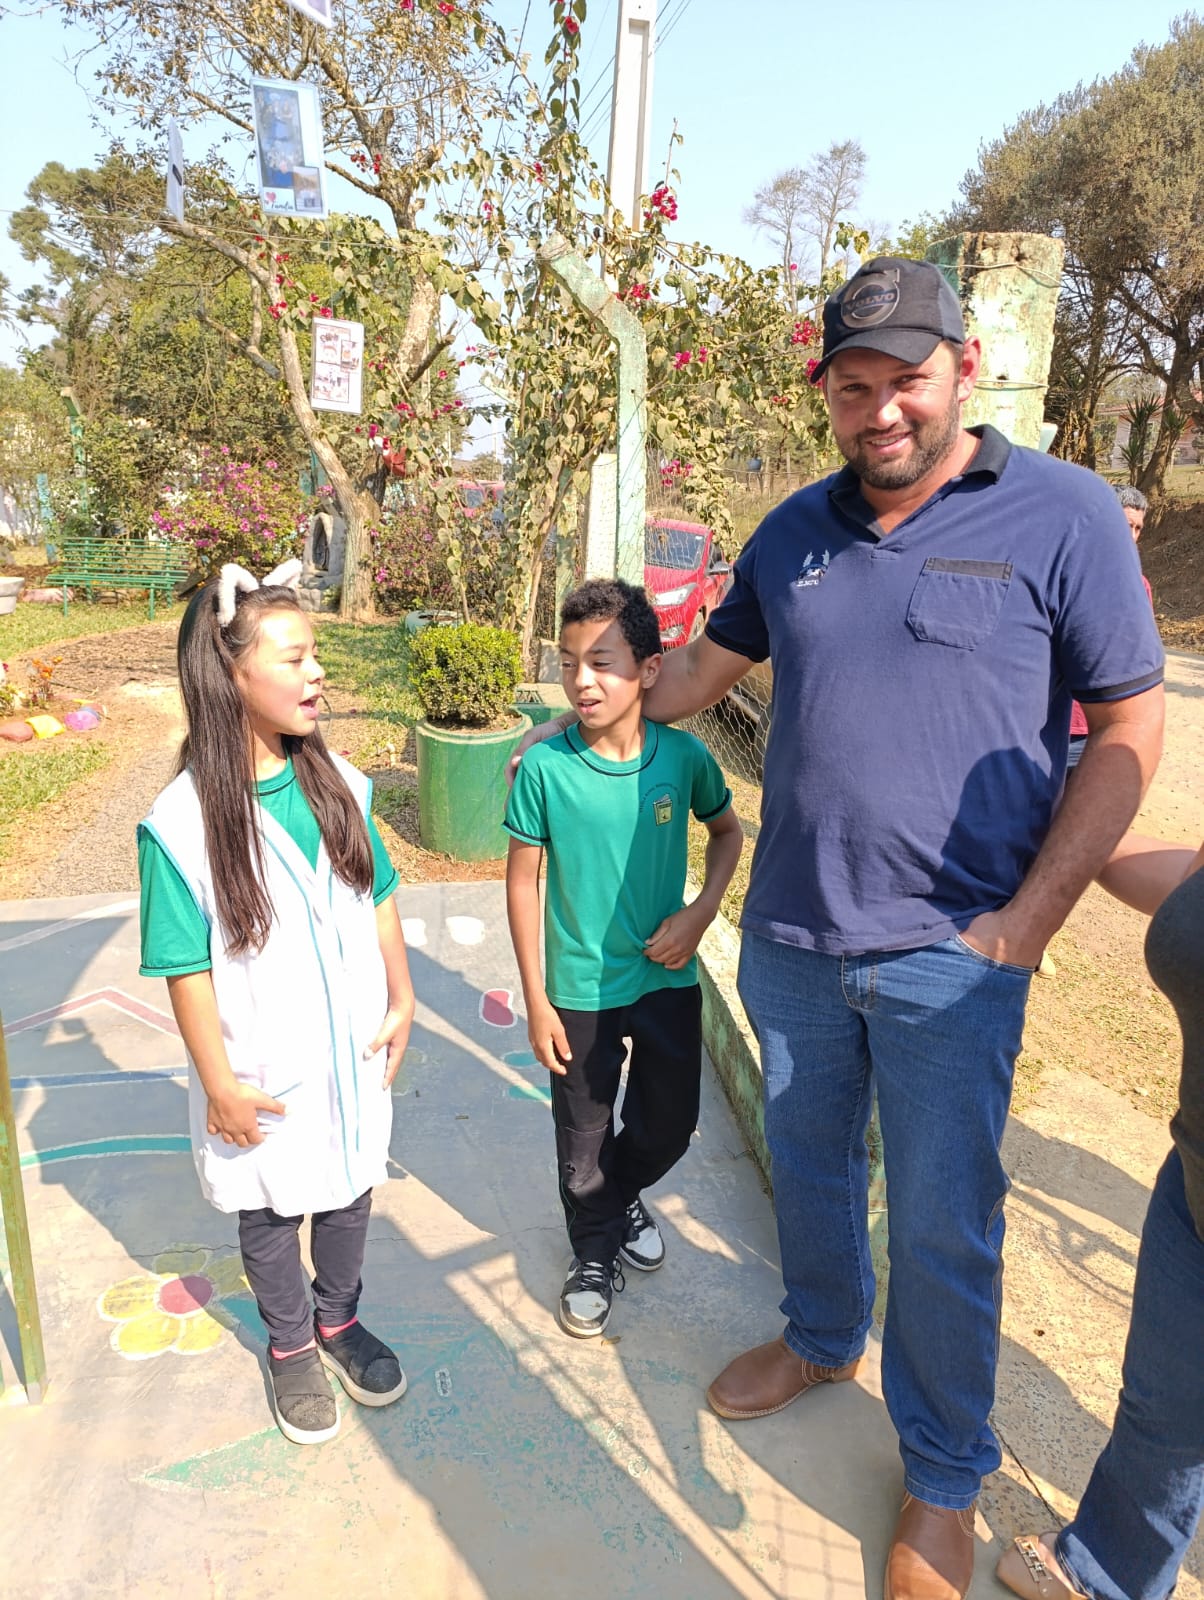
<point x="902" y="308"/>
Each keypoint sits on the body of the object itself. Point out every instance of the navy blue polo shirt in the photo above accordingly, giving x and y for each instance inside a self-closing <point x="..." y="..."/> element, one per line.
<point x="922" y="683"/>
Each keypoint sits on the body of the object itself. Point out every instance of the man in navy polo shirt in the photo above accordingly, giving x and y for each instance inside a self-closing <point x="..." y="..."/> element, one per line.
<point x="930" y="611"/>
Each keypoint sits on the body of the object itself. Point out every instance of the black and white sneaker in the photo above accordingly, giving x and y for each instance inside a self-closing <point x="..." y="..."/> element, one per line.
<point x="586" y="1296"/>
<point x="643" y="1247"/>
<point x="306" y="1412"/>
<point x="363" y="1364"/>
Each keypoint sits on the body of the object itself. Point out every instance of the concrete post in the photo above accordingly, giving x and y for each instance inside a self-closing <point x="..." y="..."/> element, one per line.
<point x="601" y="517"/>
<point x="1008" y="285"/>
<point x="592" y="295"/>
<point x="631" y="108"/>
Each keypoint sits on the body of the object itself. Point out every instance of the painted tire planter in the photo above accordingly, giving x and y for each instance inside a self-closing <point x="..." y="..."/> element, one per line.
<point x="415" y="621"/>
<point x="462" y="788"/>
<point x="10" y="588"/>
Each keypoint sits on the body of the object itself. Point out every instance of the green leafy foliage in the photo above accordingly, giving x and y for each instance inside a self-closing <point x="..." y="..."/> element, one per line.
<point x="234" y="511"/>
<point x="465" y="675"/>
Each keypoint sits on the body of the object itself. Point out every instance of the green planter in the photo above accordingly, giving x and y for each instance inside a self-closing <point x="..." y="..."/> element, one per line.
<point x="462" y="789"/>
<point x="540" y="701"/>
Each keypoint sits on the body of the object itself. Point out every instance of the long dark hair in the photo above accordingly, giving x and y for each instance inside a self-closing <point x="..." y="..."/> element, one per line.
<point x="218" y="751"/>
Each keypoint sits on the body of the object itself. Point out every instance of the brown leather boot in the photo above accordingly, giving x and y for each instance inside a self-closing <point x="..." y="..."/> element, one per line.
<point x="1030" y="1569"/>
<point x="767" y="1379"/>
<point x="932" y="1553"/>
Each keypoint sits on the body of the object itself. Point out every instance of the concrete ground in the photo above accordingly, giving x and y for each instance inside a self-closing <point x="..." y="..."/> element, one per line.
<point x="520" y="1462"/>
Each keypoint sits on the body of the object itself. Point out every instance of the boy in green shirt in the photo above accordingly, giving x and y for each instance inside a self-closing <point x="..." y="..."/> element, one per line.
<point x="609" y="799"/>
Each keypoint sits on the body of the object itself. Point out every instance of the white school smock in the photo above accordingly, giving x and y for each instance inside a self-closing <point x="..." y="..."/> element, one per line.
<point x="295" y="1018"/>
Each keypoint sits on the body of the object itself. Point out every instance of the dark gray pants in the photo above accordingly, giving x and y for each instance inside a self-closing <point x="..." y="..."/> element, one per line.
<point x="271" y="1257"/>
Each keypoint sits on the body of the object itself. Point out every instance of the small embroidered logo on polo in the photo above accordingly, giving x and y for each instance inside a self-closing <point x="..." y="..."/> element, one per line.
<point x="662" y="810"/>
<point x="812" y="572"/>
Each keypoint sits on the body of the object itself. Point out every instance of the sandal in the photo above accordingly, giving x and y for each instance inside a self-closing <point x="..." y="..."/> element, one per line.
<point x="1028" y="1573"/>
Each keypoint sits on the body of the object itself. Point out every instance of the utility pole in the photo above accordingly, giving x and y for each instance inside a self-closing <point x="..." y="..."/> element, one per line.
<point x="614" y="521"/>
<point x="631" y="107"/>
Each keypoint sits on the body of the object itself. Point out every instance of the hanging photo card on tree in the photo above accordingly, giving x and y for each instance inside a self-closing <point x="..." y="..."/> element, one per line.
<point x="315" y="10"/>
<point x="288" y="147"/>
<point x="336" y="383"/>
<point x="175" y="172"/>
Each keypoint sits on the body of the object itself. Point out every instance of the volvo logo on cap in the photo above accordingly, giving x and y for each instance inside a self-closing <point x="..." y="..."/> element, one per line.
<point x="872" y="301"/>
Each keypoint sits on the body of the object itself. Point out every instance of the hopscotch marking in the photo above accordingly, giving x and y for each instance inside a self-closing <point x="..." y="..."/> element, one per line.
<point x="18" y="941"/>
<point x="116" y="998"/>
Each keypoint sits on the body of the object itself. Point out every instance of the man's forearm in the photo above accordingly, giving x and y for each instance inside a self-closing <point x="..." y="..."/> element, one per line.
<point x="1143" y="871"/>
<point x="1117" y="766"/>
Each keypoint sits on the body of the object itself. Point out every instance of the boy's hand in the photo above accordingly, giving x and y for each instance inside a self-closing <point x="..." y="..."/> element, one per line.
<point x="536" y="735"/>
<point x="548" y="1038"/>
<point x="675" y="941"/>
<point x="234" y="1114"/>
<point x="394" y="1031"/>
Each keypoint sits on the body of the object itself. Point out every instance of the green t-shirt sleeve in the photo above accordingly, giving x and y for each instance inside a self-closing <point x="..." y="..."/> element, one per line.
<point x="384" y="873"/>
<point x="175" y="933"/>
<point x="526" y="816"/>
<point x="711" y="796"/>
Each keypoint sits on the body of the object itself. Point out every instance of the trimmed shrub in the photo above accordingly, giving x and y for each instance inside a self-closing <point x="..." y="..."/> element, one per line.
<point x="465" y="675"/>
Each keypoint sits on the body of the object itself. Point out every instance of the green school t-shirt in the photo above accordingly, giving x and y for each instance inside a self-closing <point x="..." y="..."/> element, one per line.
<point x="175" y="935"/>
<point x="615" y="836"/>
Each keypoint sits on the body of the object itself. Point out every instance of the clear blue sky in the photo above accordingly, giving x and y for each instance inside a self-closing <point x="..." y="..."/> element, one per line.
<point x="754" y="88"/>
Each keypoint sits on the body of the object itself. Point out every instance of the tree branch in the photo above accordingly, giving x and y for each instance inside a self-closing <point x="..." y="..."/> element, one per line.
<point x="244" y="347"/>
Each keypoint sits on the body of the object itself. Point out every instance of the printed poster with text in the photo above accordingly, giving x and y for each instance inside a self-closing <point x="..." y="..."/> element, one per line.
<point x="175" y="171"/>
<point x="288" y="147"/>
<point x="336" y="383"/>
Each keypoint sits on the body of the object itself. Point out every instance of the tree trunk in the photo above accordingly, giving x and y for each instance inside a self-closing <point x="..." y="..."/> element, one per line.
<point x="1151" y="480"/>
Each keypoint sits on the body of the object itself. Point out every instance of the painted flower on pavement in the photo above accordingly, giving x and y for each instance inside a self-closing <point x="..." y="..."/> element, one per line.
<point x="176" y="1306"/>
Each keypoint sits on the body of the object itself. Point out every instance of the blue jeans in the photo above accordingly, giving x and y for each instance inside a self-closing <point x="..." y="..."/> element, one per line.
<point x="1143" y="1503"/>
<point x="936" y="1032"/>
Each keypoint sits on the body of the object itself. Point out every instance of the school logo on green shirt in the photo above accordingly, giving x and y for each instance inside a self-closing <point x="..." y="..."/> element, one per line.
<point x="662" y="809"/>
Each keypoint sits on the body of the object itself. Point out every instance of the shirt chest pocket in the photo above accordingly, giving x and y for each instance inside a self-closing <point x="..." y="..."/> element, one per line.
<point x="957" y="603"/>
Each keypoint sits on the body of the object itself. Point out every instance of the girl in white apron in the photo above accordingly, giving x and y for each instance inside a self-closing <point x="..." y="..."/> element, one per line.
<point x="267" y="904"/>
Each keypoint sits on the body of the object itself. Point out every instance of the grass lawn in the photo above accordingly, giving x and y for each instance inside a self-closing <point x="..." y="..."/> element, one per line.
<point x="32" y="627"/>
<point x="31" y="775"/>
<point x="371" y="661"/>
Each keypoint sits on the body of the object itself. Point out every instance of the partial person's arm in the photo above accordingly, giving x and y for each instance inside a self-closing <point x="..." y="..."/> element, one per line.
<point x="1143" y="871"/>
<point x="1118" y="763"/>
<point x="677" y="938"/>
<point x="544" y="1027"/>
<point x="233" y="1106"/>
<point x="394" y="1031"/>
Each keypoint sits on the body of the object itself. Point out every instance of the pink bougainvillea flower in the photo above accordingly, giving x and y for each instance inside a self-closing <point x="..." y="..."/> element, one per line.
<point x="703" y="352"/>
<point x="812" y="364"/>
<point x="407" y="5"/>
<point x="446" y="7"/>
<point x="681" y="359"/>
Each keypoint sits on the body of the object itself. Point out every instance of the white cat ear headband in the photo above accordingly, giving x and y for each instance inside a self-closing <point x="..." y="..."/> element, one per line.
<point x="235" y="579"/>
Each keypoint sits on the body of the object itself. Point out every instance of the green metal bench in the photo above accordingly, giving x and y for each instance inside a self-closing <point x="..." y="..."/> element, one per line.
<point x="97" y="565"/>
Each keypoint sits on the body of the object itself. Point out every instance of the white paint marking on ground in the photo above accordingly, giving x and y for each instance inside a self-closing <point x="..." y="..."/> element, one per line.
<point x="414" y="931"/>
<point x="19" y="940"/>
<point x="466" y="930"/>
